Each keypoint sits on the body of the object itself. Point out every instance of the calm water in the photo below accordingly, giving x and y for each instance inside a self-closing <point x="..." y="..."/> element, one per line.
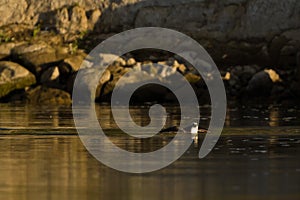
<point x="257" y="157"/>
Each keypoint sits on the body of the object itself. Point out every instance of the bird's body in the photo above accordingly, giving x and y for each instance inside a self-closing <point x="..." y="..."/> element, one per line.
<point x="194" y="129"/>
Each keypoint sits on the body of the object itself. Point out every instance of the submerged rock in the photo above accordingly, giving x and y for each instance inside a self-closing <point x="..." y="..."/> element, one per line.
<point x="13" y="76"/>
<point x="46" y="95"/>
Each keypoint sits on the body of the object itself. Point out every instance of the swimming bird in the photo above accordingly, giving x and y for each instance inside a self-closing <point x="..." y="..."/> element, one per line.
<point x="193" y="129"/>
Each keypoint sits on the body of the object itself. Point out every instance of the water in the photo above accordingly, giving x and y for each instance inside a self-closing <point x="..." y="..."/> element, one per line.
<point x="257" y="157"/>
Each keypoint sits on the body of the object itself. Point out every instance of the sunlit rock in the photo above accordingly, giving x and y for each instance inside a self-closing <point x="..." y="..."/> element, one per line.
<point x="13" y="76"/>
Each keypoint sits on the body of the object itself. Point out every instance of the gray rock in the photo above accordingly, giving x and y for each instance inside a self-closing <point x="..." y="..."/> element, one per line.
<point x="120" y="61"/>
<point x="13" y="76"/>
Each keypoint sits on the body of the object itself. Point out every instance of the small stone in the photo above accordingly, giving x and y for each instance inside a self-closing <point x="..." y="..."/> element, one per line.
<point x="106" y="58"/>
<point x="192" y="78"/>
<point x="227" y="76"/>
<point x="105" y="77"/>
<point x="50" y="75"/>
<point x="137" y="66"/>
<point x="175" y="63"/>
<point x="273" y="75"/>
<point x="171" y="61"/>
<point x="181" y="68"/>
<point x="72" y="64"/>
<point x="103" y="80"/>
<point x="131" y="61"/>
<point x="120" y="61"/>
<point x="163" y="63"/>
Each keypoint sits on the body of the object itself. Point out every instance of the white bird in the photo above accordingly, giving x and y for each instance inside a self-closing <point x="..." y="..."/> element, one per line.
<point x="192" y="129"/>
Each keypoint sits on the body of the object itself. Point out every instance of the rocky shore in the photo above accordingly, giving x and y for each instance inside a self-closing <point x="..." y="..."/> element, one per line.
<point x="255" y="44"/>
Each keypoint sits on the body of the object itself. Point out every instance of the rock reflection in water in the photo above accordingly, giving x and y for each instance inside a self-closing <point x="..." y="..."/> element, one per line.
<point x="256" y="157"/>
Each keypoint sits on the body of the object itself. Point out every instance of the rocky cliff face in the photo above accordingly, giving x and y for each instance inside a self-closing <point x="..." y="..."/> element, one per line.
<point x="233" y="31"/>
<point x="33" y="11"/>
<point x="244" y="37"/>
<point x="240" y="31"/>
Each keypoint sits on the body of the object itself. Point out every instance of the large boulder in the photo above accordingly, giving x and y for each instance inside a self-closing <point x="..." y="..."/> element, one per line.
<point x="34" y="56"/>
<point x="262" y="83"/>
<point x="13" y="76"/>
